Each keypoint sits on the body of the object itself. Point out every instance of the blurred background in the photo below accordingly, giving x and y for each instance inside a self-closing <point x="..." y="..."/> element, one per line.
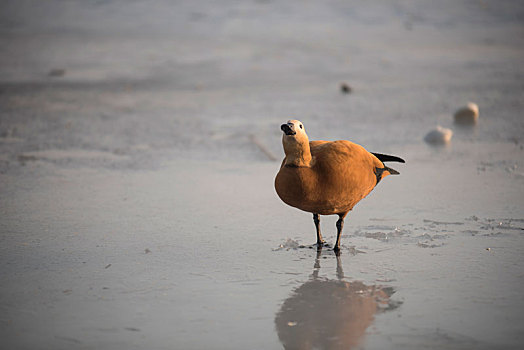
<point x="139" y="141"/>
<point x="139" y="80"/>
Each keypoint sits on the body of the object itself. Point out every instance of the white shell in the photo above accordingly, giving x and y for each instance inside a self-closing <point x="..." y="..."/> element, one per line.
<point x="467" y="115"/>
<point x="439" y="136"/>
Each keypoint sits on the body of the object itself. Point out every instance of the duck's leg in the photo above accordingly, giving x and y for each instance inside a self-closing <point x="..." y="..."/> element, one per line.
<point x="320" y="241"/>
<point x="340" y="226"/>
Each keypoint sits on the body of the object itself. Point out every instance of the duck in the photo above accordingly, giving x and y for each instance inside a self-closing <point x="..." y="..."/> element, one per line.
<point x="327" y="177"/>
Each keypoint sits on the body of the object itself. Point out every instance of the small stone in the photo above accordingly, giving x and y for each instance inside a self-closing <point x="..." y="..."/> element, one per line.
<point x="57" y="72"/>
<point x="467" y="115"/>
<point x="439" y="136"/>
<point x="132" y="329"/>
<point x="345" y="88"/>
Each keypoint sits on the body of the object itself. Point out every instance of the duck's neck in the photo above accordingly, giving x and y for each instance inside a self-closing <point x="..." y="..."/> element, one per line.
<point x="298" y="153"/>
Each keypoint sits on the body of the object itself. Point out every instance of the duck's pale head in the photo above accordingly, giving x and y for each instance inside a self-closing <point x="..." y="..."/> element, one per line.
<point x="296" y="143"/>
<point x="293" y="128"/>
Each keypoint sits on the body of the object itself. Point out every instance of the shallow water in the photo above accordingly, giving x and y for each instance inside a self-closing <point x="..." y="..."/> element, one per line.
<point x="203" y="255"/>
<point x="136" y="188"/>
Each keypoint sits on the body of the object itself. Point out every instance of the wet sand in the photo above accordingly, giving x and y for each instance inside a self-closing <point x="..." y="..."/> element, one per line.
<point x="136" y="175"/>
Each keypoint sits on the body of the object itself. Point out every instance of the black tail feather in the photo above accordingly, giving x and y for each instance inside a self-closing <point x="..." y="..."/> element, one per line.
<point x="388" y="158"/>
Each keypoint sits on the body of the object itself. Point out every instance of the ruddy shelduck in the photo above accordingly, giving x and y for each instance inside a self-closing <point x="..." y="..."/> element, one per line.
<point x="327" y="177"/>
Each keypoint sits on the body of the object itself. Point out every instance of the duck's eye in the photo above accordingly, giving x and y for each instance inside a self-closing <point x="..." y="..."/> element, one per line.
<point x="300" y="126"/>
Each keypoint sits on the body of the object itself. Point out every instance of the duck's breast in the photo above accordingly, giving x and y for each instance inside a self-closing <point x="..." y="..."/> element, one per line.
<point x="297" y="186"/>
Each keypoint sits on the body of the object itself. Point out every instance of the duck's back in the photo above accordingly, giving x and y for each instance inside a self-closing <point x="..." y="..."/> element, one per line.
<point x="346" y="171"/>
<point x="341" y="174"/>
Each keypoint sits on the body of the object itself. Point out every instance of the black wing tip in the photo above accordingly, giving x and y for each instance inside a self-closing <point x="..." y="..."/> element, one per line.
<point x="388" y="158"/>
<point x="380" y="171"/>
<point x="392" y="171"/>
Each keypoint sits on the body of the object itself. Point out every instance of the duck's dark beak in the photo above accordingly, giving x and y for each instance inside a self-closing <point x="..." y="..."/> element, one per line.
<point x="288" y="129"/>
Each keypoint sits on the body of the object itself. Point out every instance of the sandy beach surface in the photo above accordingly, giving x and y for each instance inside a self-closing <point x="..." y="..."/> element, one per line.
<point x="139" y="142"/>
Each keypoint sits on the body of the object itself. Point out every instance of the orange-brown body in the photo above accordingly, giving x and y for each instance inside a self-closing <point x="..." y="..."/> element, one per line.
<point x="326" y="178"/>
<point x="340" y="174"/>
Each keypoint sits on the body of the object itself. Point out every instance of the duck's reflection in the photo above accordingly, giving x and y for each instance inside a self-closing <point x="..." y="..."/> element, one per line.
<point x="329" y="314"/>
